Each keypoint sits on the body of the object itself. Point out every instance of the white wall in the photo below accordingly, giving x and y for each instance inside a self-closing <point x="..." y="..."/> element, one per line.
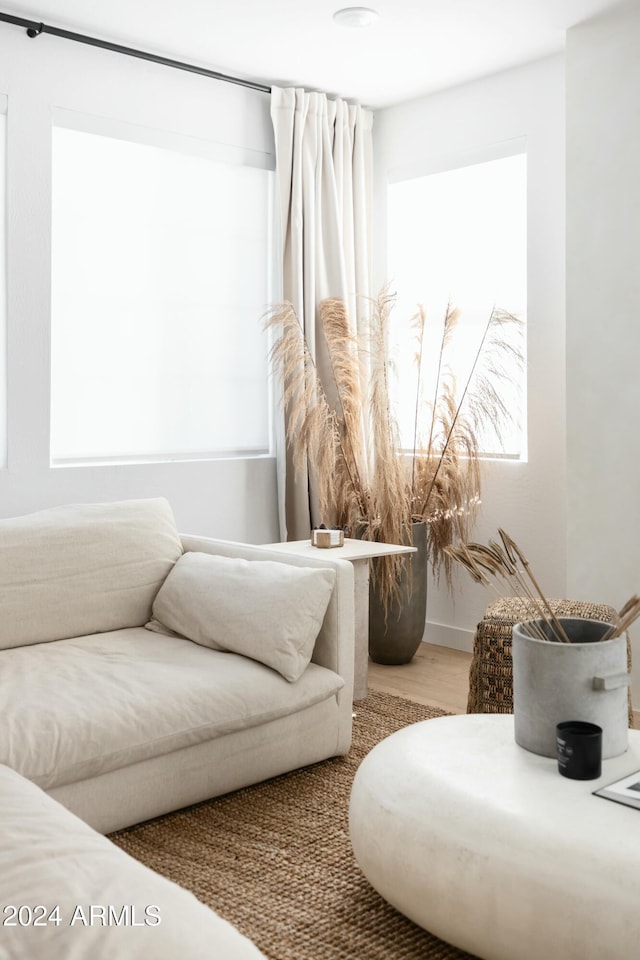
<point x="526" y="498"/>
<point x="233" y="499"/>
<point x="603" y="308"/>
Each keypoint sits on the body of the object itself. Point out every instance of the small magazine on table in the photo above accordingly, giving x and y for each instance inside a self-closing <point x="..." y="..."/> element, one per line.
<point x="626" y="790"/>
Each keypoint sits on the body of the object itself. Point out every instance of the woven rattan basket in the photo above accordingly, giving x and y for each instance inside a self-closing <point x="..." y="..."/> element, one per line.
<point x="491" y="672"/>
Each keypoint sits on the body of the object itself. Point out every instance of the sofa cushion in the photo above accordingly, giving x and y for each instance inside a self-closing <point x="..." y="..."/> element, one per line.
<point x="82" y="569"/>
<point x="81" y="707"/>
<point x="262" y="609"/>
<point x="98" y="902"/>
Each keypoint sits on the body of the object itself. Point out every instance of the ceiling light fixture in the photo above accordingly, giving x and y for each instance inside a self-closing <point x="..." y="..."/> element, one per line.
<point x="355" y="16"/>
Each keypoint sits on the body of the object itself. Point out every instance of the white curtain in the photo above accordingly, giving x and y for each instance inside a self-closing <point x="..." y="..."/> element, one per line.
<point x="324" y="170"/>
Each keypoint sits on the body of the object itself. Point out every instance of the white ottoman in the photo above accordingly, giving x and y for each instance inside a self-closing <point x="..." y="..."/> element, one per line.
<point x="486" y="846"/>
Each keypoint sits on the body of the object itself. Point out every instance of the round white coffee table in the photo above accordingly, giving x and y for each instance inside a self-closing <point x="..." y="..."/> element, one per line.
<point x="486" y="846"/>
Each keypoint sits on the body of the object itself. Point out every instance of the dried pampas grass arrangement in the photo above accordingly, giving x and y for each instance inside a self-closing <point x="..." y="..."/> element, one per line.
<point x="348" y="437"/>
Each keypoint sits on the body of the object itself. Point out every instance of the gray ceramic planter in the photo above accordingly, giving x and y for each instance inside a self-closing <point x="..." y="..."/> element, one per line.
<point x="395" y="637"/>
<point x="586" y="679"/>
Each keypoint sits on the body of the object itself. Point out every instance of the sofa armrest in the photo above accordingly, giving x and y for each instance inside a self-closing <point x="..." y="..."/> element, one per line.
<point x="334" y="647"/>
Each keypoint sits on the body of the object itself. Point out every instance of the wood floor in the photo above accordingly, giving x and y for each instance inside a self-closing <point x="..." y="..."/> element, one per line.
<point x="437" y="676"/>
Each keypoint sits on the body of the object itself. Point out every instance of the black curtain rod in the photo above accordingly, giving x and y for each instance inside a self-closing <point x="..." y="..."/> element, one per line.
<point x="34" y="29"/>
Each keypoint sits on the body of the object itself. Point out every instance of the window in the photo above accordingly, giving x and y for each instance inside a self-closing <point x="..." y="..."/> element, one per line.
<point x="160" y="277"/>
<point x="459" y="236"/>
<point x="3" y="285"/>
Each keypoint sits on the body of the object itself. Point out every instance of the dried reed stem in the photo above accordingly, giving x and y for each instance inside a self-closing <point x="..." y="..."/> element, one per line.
<point x="501" y="559"/>
<point x="551" y="619"/>
<point x="628" y="614"/>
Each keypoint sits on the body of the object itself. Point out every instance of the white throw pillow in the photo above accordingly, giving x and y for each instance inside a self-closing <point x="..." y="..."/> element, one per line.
<point x="262" y="609"/>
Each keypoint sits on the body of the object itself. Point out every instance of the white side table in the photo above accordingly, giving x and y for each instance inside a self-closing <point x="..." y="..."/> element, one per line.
<point x="359" y="552"/>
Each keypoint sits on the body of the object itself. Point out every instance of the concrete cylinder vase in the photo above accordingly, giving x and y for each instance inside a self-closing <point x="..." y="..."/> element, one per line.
<point x="585" y="679"/>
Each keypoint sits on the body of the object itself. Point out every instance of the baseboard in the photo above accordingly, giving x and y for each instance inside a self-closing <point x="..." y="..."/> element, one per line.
<point x="442" y="635"/>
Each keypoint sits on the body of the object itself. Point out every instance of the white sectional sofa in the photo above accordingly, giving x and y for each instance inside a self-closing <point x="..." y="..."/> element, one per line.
<point x="68" y="893"/>
<point x="142" y="671"/>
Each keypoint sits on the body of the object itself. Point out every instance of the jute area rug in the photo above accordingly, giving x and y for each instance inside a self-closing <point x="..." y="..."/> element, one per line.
<point x="275" y="859"/>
